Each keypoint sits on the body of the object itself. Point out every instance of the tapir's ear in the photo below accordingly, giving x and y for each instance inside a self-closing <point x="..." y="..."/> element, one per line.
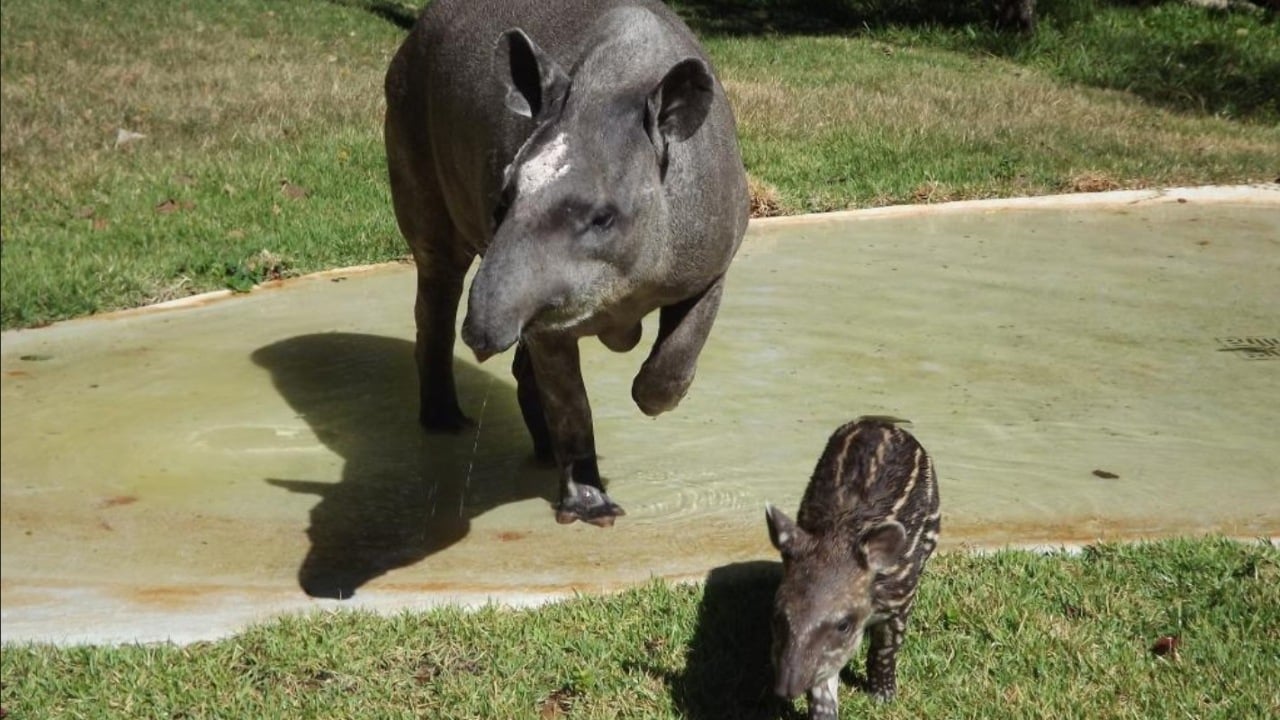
<point x="534" y="81"/>
<point x="783" y="532"/>
<point x="679" y="104"/>
<point x="882" y="546"/>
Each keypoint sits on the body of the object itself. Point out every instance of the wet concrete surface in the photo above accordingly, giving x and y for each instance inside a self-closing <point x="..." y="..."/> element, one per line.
<point x="1109" y="372"/>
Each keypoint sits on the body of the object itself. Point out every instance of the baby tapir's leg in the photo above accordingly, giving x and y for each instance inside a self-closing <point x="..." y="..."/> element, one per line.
<point x="882" y="655"/>
<point x="823" y="704"/>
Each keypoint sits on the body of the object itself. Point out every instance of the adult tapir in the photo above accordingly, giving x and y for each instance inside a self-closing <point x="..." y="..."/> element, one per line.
<point x="586" y="150"/>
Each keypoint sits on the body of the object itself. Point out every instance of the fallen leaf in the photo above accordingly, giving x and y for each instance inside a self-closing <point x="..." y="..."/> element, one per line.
<point x="275" y="209"/>
<point x="171" y="206"/>
<point x="1105" y="475"/>
<point x="100" y="224"/>
<point x="291" y="191"/>
<point x="86" y="212"/>
<point x="125" y="137"/>
<point x="1167" y="646"/>
<point x="118" y="500"/>
<point x="556" y="704"/>
<point x="236" y="234"/>
<point x="183" y="179"/>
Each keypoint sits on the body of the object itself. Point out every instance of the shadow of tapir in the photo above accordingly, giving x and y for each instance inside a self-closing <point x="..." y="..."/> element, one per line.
<point x="587" y="152"/>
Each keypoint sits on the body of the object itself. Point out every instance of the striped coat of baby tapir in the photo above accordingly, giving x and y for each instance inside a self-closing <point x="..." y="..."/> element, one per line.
<point x="852" y="559"/>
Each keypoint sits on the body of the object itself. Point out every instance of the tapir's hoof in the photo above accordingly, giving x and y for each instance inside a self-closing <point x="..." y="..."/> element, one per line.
<point x="590" y="505"/>
<point x="438" y="420"/>
<point x="655" y="395"/>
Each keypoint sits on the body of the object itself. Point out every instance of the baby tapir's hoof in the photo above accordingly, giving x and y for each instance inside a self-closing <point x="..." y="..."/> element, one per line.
<point x="884" y="696"/>
<point x="588" y="504"/>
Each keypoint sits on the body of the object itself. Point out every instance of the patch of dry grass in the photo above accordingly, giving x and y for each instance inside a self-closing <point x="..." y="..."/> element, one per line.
<point x="195" y="81"/>
<point x="764" y="198"/>
<point x="154" y="149"/>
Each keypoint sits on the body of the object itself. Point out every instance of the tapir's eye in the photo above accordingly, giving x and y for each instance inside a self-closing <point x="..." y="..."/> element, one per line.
<point x="603" y="219"/>
<point x="503" y="205"/>
<point x="845" y="626"/>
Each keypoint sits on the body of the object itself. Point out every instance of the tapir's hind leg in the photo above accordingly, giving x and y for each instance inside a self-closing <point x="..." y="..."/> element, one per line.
<point x="442" y="260"/>
<point x="568" y="416"/>
<point x="439" y="290"/>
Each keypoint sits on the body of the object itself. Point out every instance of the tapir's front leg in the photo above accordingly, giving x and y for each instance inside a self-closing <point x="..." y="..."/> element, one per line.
<point x="568" y="414"/>
<point x="882" y="657"/>
<point x="682" y="331"/>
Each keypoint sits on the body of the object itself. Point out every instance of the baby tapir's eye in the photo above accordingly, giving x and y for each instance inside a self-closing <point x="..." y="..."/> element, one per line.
<point x="845" y="626"/>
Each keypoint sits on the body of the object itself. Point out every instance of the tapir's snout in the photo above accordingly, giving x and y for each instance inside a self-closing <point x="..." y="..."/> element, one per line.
<point x="504" y="295"/>
<point x="789" y="685"/>
<point x="792" y="675"/>
<point x="487" y="339"/>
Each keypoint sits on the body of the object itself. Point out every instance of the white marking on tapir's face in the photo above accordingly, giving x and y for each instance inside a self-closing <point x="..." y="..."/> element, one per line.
<point x="546" y="166"/>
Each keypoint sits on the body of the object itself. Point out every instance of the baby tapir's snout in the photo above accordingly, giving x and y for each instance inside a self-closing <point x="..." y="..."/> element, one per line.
<point x="852" y="559"/>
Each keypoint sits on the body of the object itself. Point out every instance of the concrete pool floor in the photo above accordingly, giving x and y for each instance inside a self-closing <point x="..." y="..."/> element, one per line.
<point x="1082" y="368"/>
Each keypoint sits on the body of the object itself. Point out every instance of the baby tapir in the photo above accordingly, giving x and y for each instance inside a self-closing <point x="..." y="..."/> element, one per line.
<point x="851" y="561"/>
<point x="586" y="151"/>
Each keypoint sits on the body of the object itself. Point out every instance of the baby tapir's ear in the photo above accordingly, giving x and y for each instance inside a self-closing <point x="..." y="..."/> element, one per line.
<point x="536" y="86"/>
<point x="783" y="532"/>
<point x="882" y="546"/>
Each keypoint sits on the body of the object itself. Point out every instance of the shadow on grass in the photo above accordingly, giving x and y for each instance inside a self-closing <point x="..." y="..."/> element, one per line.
<point x="1167" y="52"/>
<point x="727" y="673"/>
<point x="404" y="494"/>
<point x="819" y="17"/>
<point x="402" y="15"/>
<point x="1183" y="58"/>
<point x="1176" y="63"/>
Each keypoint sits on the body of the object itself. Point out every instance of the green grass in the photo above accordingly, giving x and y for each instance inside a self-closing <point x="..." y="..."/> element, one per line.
<point x="1009" y="635"/>
<point x="234" y="99"/>
<point x="842" y="103"/>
